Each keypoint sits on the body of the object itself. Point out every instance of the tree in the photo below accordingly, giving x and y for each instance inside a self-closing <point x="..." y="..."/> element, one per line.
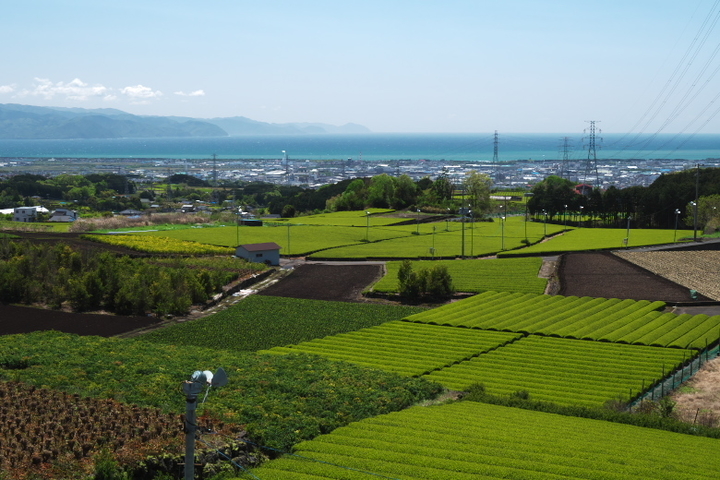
<point x="552" y="195"/>
<point x="381" y="191"/>
<point x="477" y="188"/>
<point x="288" y="211"/>
<point x="435" y="282"/>
<point x="406" y="192"/>
<point x="443" y="187"/>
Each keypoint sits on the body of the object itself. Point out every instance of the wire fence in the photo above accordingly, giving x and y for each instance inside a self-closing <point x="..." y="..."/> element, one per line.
<point x="678" y="377"/>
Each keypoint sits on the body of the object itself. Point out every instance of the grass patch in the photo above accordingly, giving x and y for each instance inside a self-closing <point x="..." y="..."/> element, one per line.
<point x="475" y="276"/>
<point x="601" y="239"/>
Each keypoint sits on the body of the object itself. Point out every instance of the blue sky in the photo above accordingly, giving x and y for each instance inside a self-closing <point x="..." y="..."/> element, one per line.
<point x="391" y="65"/>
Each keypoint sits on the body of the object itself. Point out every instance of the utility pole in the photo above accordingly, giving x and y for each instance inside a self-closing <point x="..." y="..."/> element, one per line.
<point x="215" y="170"/>
<point x="495" y="160"/>
<point x="695" y="205"/>
<point x="592" y="154"/>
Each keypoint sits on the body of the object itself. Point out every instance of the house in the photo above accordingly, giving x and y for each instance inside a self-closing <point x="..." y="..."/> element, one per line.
<point x="28" y="214"/>
<point x="63" y="215"/>
<point x="268" y="253"/>
<point x="130" y="213"/>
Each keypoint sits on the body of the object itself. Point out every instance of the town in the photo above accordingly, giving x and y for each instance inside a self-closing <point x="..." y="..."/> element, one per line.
<point x="509" y="175"/>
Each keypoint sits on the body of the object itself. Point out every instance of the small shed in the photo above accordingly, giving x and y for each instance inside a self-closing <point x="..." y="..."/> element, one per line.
<point x="268" y="253"/>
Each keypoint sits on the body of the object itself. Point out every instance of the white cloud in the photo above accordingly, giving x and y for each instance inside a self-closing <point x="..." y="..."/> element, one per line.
<point x="7" y="88"/>
<point x="140" y="93"/>
<point x="74" y="90"/>
<point x="196" y="93"/>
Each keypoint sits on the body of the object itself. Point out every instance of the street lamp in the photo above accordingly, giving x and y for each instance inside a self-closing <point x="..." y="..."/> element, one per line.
<point x="502" y="230"/>
<point x="581" y="217"/>
<point x="565" y="219"/>
<point x="367" y="227"/>
<point x="433" y="247"/>
<point x="627" y="238"/>
<point x="695" y="220"/>
<point x="472" y="233"/>
<point x="447" y="221"/>
<point x="545" y="224"/>
<point x="677" y="212"/>
<point x="417" y="231"/>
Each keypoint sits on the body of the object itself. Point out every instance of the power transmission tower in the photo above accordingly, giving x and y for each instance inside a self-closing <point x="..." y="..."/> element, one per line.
<point x="566" y="149"/>
<point x="592" y="154"/>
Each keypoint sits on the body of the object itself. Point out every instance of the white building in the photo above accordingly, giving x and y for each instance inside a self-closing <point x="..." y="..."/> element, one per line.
<point x="268" y="253"/>
<point x="28" y="214"/>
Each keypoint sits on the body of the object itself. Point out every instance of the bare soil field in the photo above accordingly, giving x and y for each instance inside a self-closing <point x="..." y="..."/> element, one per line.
<point x="606" y="275"/>
<point x="15" y="319"/>
<point x="697" y="270"/>
<point x="343" y="283"/>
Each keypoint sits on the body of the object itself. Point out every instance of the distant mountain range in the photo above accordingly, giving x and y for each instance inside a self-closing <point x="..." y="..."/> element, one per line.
<point x="30" y="122"/>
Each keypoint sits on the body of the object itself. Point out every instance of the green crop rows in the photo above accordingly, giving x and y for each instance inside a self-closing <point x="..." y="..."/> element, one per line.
<point x="353" y="218"/>
<point x="479" y="238"/>
<point x="474" y="276"/>
<point x="471" y="441"/>
<point x="601" y="239"/>
<point x="569" y="372"/>
<point x="611" y="320"/>
<point x="403" y="347"/>
<point x="259" y="322"/>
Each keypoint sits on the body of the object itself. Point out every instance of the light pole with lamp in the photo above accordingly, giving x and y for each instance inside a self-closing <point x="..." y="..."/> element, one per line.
<point x="581" y="216"/>
<point x="502" y="233"/>
<point x="695" y="220"/>
<point x="565" y="219"/>
<point x="677" y="212"/>
<point x="447" y="221"/>
<point x="627" y="238"/>
<point x="472" y="233"/>
<point x="367" y="226"/>
<point x="417" y="231"/>
<point x="545" y="224"/>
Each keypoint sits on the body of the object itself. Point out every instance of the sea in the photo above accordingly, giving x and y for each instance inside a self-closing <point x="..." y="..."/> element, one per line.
<point x="460" y="147"/>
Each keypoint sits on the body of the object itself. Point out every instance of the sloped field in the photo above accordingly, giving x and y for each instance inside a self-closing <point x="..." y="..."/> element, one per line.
<point x="402" y="347"/>
<point x="471" y="441"/>
<point x="612" y="320"/>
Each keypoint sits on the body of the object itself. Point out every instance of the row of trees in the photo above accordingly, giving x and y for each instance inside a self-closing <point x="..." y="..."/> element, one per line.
<point x="384" y="191"/>
<point x="93" y="280"/>
<point x="654" y="206"/>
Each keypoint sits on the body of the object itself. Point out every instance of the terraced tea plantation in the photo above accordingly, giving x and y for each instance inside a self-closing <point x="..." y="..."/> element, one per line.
<point x="403" y="347"/>
<point x="566" y="372"/>
<point x="611" y="320"/>
<point x="470" y="441"/>
<point x="509" y="343"/>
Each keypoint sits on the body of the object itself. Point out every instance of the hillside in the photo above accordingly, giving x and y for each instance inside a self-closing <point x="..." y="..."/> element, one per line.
<point x="30" y="122"/>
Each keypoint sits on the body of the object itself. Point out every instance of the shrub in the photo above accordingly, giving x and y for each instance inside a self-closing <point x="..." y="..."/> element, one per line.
<point x="434" y="282"/>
